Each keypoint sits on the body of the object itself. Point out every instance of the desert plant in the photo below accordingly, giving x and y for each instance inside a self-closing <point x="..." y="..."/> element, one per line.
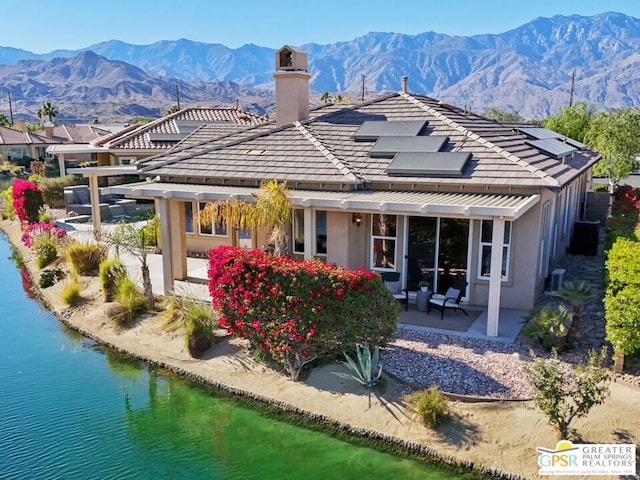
<point x="130" y="302"/>
<point x="564" y="394"/>
<point x="367" y="371"/>
<point x="575" y="293"/>
<point x="50" y="277"/>
<point x="429" y="406"/>
<point x="548" y="324"/>
<point x="45" y="249"/>
<point x="200" y="326"/>
<point x="110" y="272"/>
<point x="70" y="294"/>
<point x="85" y="258"/>
<point x="150" y="232"/>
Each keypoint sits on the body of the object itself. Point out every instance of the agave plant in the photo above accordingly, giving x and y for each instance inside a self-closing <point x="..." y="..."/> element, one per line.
<point x="367" y="371"/>
<point x="548" y="324"/>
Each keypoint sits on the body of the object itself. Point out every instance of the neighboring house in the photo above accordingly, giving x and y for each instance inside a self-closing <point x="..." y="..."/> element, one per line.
<point x="140" y="141"/>
<point x="21" y="146"/>
<point x="401" y="183"/>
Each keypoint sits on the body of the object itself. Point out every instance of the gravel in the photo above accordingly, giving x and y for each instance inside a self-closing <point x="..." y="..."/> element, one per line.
<point x="493" y="370"/>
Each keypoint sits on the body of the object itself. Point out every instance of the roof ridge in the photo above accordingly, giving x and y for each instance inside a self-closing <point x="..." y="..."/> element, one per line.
<point x="490" y="145"/>
<point x="339" y="164"/>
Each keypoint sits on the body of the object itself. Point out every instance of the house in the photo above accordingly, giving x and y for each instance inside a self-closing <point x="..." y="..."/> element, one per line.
<point x="21" y="146"/>
<point x="400" y="183"/>
<point x="135" y="142"/>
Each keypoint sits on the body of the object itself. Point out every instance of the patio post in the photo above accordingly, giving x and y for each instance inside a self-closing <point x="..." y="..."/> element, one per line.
<point x="94" y="195"/>
<point x="495" y="277"/>
<point x="167" y="246"/>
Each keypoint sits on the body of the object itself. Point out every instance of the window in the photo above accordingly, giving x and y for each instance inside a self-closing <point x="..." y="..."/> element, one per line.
<point x="244" y="238"/>
<point x="298" y="231"/>
<point x="126" y="160"/>
<point x="383" y="239"/>
<point x="217" y="229"/>
<point x="188" y="217"/>
<point x="486" y="234"/>
<point x="321" y="232"/>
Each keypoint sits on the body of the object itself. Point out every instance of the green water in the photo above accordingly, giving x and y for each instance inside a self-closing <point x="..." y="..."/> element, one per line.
<point x="70" y="409"/>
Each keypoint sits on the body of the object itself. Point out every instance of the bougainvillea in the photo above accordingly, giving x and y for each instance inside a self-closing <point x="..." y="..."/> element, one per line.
<point x="298" y="311"/>
<point x="27" y="201"/>
<point x="39" y="229"/>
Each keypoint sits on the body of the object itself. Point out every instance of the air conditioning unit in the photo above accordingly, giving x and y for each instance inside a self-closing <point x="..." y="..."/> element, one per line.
<point x="557" y="278"/>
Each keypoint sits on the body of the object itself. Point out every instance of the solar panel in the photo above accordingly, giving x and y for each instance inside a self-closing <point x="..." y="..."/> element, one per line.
<point x="166" y="137"/>
<point x="388" y="146"/>
<point x="539" y="133"/>
<point x="545" y="133"/>
<point x="448" y="164"/>
<point x="371" y="130"/>
<point x="553" y="147"/>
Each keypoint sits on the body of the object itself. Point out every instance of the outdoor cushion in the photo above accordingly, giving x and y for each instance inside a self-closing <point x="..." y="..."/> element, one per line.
<point x="394" y="287"/>
<point x="83" y="196"/>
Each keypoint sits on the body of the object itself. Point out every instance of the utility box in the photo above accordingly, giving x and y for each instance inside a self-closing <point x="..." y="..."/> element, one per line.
<point x="585" y="237"/>
<point x="557" y="279"/>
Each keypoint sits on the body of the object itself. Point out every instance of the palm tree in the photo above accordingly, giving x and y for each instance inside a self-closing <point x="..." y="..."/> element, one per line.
<point x="575" y="293"/>
<point x="324" y="97"/>
<point x="4" y="121"/>
<point x="549" y="325"/>
<point x="272" y="209"/>
<point x="48" y="110"/>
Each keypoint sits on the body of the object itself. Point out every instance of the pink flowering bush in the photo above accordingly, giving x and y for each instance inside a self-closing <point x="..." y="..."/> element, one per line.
<point x="298" y="311"/>
<point x="27" y="201"/>
<point x="44" y="238"/>
<point x="41" y="228"/>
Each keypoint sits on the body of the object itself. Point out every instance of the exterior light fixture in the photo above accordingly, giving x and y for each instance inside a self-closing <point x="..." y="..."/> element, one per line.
<point x="356" y="219"/>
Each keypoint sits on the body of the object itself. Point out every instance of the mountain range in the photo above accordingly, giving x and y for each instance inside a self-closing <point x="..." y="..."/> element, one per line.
<point x="534" y="70"/>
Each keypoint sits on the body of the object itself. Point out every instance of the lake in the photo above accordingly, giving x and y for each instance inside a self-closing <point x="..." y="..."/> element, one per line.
<point x="70" y="409"/>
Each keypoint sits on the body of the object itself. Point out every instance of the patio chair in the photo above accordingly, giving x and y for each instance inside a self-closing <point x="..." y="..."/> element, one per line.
<point x="450" y="300"/>
<point x="392" y="282"/>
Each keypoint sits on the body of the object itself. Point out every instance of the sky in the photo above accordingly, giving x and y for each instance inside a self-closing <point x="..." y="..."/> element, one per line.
<point x="46" y="25"/>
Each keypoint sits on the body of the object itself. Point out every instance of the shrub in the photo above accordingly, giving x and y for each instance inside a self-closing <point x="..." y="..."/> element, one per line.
<point x="429" y="406"/>
<point x="6" y="204"/>
<point x="367" y="371"/>
<point x="623" y="322"/>
<point x="150" y="231"/>
<point x="110" y="273"/>
<point x="85" y="258"/>
<point x="53" y="189"/>
<point x="70" y="294"/>
<point x="41" y="229"/>
<point x="298" y="311"/>
<point x="50" y="277"/>
<point x="131" y="302"/>
<point x="27" y="201"/>
<point x="549" y="325"/>
<point x="563" y="394"/>
<point x="200" y="327"/>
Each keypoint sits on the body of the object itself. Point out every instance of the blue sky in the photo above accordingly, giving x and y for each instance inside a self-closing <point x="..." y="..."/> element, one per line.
<point x="41" y="26"/>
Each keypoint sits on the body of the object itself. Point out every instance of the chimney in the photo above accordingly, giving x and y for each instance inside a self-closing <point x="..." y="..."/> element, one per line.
<point x="292" y="85"/>
<point x="20" y="125"/>
<point x="48" y="129"/>
<point x="404" y="83"/>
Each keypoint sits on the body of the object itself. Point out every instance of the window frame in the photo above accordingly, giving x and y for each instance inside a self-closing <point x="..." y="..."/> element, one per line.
<point x="383" y="238"/>
<point x="214" y="227"/>
<point x="318" y="234"/>
<point x="295" y="224"/>
<point x="506" y="252"/>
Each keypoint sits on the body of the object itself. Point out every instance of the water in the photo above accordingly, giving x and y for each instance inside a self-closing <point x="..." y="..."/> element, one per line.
<point x="70" y="409"/>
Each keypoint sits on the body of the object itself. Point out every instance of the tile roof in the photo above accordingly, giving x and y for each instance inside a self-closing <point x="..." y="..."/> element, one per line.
<point x="322" y="151"/>
<point x="65" y="133"/>
<point x="161" y="134"/>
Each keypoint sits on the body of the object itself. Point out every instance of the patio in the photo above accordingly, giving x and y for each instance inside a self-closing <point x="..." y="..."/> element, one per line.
<point x="454" y="323"/>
